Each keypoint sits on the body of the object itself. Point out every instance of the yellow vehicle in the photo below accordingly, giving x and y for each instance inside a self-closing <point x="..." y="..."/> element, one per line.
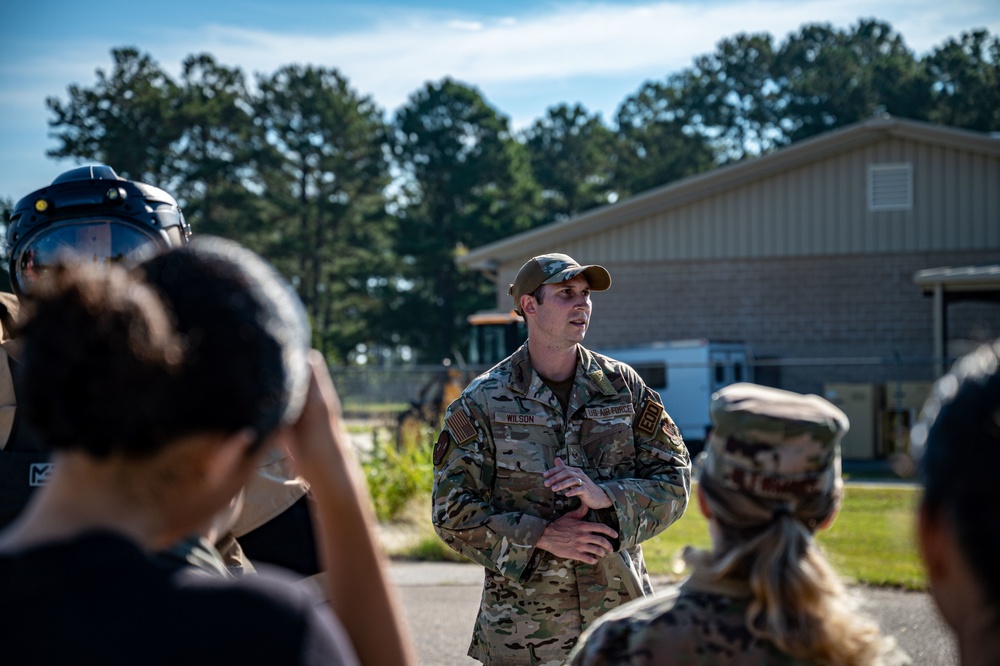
<point x="418" y="424"/>
<point x="493" y="336"/>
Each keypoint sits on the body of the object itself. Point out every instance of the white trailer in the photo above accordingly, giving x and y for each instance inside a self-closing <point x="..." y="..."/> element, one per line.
<point x="686" y="373"/>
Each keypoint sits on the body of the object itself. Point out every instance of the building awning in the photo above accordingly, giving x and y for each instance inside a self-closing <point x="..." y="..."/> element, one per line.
<point x="949" y="284"/>
<point x="960" y="279"/>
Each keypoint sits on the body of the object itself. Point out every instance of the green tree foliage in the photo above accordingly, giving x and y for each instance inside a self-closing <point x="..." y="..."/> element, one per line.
<point x="730" y="97"/>
<point x="367" y="218"/>
<point x="467" y="182"/>
<point x="128" y="119"/>
<point x="6" y="208"/>
<point x="658" y="143"/>
<point x="749" y="97"/>
<point x="829" y="78"/>
<point x="965" y="75"/>
<point x="329" y="229"/>
<point x="573" y="157"/>
<point x="217" y="160"/>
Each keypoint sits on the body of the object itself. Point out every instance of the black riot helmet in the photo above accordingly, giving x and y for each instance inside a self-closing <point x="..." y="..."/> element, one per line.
<point x="92" y="214"/>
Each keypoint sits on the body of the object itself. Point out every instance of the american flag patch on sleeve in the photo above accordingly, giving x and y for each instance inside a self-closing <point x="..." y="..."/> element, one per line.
<point x="460" y="427"/>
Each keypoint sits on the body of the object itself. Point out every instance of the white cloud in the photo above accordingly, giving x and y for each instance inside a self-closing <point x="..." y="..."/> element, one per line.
<point x="581" y="40"/>
<point x="470" y="26"/>
<point x="523" y="60"/>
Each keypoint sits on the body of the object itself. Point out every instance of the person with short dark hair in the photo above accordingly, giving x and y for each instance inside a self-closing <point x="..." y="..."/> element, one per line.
<point x="958" y="443"/>
<point x="552" y="469"/>
<point x="159" y="390"/>
<point x="764" y="594"/>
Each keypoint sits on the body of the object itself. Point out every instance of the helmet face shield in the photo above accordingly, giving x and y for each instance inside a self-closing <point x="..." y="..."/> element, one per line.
<point x="88" y="214"/>
<point x="100" y="242"/>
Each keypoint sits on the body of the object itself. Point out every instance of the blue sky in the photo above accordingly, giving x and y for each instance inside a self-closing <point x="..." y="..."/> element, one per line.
<point x="523" y="56"/>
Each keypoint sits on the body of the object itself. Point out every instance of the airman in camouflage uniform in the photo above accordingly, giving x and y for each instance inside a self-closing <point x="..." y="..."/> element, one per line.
<point x="782" y="450"/>
<point x="516" y="463"/>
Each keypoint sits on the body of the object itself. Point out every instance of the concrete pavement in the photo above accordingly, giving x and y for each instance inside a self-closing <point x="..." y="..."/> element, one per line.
<point x="441" y="600"/>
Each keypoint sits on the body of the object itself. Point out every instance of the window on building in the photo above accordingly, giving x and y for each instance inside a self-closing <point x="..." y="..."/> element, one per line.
<point x="653" y="374"/>
<point x="890" y="186"/>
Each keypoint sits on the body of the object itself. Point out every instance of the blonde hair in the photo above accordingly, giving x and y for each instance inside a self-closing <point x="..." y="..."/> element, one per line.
<point x="799" y="603"/>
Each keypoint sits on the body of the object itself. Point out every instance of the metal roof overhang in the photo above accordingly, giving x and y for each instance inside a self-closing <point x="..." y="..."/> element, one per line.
<point x="961" y="280"/>
<point x="950" y="284"/>
<point x="519" y="247"/>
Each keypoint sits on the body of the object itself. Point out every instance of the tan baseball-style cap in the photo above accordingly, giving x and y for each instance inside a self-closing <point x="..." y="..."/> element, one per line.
<point x="774" y="444"/>
<point x="551" y="269"/>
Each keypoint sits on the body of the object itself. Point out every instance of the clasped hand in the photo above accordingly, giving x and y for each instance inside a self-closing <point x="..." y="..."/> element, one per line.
<point x="573" y="482"/>
<point x="570" y="536"/>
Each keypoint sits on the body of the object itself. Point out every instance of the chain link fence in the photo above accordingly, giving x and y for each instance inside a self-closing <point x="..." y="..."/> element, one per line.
<point x="882" y="397"/>
<point x="382" y="393"/>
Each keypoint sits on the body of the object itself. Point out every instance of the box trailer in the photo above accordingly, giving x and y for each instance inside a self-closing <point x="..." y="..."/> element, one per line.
<point x="686" y="373"/>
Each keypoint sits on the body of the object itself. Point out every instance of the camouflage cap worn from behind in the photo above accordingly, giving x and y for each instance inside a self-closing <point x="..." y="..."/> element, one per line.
<point x="774" y="444"/>
<point x="551" y="269"/>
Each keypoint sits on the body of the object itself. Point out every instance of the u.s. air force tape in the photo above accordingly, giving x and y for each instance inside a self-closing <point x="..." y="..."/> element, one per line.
<point x="460" y="426"/>
<point x="609" y="411"/>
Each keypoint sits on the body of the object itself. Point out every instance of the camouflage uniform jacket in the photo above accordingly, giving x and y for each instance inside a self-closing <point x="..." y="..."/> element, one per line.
<point x="696" y="623"/>
<point x="490" y="503"/>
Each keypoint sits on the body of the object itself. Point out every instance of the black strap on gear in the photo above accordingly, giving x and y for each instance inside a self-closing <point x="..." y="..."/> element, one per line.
<point x="21" y="473"/>
<point x="24" y="463"/>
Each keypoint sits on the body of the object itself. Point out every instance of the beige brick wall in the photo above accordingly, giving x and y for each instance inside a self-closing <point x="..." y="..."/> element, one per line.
<point x="853" y="308"/>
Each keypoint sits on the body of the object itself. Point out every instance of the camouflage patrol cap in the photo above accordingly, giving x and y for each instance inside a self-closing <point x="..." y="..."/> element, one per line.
<point x="551" y="269"/>
<point x="774" y="444"/>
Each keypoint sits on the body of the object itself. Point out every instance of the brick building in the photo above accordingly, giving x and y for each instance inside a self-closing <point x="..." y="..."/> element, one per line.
<point x="821" y="256"/>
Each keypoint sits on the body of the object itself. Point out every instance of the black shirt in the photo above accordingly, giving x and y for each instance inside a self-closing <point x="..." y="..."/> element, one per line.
<point x="99" y="599"/>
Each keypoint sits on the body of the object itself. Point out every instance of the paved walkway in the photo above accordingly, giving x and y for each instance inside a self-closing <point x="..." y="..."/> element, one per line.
<point x="441" y="600"/>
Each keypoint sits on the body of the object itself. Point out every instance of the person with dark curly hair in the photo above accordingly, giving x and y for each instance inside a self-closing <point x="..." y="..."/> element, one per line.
<point x="958" y="443"/>
<point x="92" y="212"/>
<point x="159" y="389"/>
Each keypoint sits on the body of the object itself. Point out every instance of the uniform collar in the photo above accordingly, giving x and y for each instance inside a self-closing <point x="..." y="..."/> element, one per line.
<point x="590" y="374"/>
<point x="520" y="370"/>
<point x="598" y="382"/>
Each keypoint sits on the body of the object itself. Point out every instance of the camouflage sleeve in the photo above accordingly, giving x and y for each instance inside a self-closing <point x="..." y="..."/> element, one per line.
<point x="604" y="643"/>
<point x="657" y="494"/>
<point x="462" y="513"/>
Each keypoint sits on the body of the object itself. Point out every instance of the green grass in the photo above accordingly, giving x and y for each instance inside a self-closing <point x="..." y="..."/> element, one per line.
<point x="874" y="540"/>
<point x="432" y="549"/>
<point x="382" y="410"/>
<point x="662" y="552"/>
<point x="871" y="542"/>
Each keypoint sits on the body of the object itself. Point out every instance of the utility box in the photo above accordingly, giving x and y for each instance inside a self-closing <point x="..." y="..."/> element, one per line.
<point x="910" y="396"/>
<point x="862" y="403"/>
<point x="686" y="373"/>
<point x="903" y="402"/>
